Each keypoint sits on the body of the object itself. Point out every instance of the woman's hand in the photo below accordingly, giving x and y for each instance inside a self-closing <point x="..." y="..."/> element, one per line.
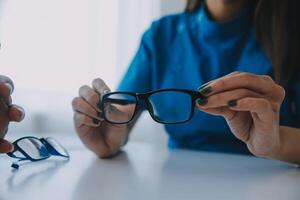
<point x="102" y="138"/>
<point x="250" y="104"/>
<point x="8" y="112"/>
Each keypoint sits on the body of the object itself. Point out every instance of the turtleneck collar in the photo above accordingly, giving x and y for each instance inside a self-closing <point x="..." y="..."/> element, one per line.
<point x="207" y="27"/>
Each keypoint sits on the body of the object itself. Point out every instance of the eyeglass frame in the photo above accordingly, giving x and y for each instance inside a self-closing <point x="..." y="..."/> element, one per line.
<point x="50" y="150"/>
<point x="145" y="97"/>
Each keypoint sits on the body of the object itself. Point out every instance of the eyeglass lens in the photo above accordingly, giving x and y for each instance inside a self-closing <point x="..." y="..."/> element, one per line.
<point x="165" y="106"/>
<point x="34" y="148"/>
<point x="57" y="146"/>
<point x="171" y="106"/>
<point x="119" y="108"/>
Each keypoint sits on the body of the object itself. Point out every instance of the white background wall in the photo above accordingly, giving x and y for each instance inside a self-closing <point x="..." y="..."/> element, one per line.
<point x="171" y="6"/>
<point x="51" y="47"/>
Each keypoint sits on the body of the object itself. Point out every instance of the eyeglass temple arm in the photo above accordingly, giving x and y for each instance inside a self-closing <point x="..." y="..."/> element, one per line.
<point x="16" y="164"/>
<point x="53" y="151"/>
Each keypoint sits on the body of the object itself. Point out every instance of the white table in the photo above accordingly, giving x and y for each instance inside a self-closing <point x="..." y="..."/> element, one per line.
<point x="144" y="171"/>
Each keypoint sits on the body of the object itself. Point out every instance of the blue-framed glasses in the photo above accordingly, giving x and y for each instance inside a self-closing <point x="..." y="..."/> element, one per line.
<point x="35" y="149"/>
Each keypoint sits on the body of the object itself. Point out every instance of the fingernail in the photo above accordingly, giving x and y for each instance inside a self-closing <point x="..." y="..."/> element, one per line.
<point x="96" y="121"/>
<point x="202" y="86"/>
<point x="106" y="92"/>
<point x="12" y="148"/>
<point x="205" y="90"/>
<point x="232" y="103"/>
<point x="202" y="102"/>
<point x="22" y="112"/>
<point x="10" y="88"/>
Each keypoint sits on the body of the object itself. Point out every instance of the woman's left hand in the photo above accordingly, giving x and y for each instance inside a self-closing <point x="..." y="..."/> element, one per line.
<point x="250" y="104"/>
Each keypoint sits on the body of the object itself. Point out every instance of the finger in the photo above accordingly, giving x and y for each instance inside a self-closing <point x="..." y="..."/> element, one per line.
<point x="5" y="146"/>
<point x="3" y="128"/>
<point x="222" y="99"/>
<point x="208" y="83"/>
<point x="220" y="111"/>
<point x="3" y="107"/>
<point x="90" y="96"/>
<point x="5" y="92"/>
<point x="204" y="85"/>
<point x="259" y="107"/>
<point x="100" y="86"/>
<point x="5" y="79"/>
<point x="259" y="84"/>
<point x="84" y="120"/>
<point x="80" y="105"/>
<point x="4" y="119"/>
<point x="231" y="116"/>
<point x="16" y="113"/>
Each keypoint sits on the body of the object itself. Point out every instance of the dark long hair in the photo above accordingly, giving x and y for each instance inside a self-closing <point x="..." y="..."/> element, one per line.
<point x="277" y="25"/>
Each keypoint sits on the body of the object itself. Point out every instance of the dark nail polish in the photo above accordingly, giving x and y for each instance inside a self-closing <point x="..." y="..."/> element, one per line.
<point x="205" y="90"/>
<point x="96" y="121"/>
<point x="232" y="103"/>
<point x="202" y="102"/>
<point x="202" y="86"/>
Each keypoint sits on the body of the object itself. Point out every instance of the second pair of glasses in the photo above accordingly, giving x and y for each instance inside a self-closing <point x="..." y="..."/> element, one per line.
<point x="167" y="106"/>
<point x="36" y="149"/>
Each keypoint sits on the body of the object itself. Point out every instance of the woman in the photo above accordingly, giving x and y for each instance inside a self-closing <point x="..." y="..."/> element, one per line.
<point x="242" y="52"/>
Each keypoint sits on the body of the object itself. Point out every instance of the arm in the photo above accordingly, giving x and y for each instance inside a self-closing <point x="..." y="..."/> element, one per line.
<point x="290" y="145"/>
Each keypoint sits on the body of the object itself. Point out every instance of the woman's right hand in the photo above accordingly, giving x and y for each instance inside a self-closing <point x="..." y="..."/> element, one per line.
<point x="99" y="136"/>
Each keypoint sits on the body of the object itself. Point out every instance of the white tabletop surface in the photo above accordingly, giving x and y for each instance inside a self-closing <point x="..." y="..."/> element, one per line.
<point x="144" y="171"/>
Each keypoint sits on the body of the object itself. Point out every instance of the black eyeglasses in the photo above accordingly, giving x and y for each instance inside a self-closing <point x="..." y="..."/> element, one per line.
<point x="35" y="149"/>
<point x="167" y="106"/>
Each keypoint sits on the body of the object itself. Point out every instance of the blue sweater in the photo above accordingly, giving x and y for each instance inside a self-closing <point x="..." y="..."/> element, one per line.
<point x="189" y="49"/>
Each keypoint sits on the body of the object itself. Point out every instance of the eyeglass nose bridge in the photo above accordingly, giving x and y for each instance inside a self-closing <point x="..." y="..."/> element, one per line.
<point x="142" y="100"/>
<point x="142" y="96"/>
